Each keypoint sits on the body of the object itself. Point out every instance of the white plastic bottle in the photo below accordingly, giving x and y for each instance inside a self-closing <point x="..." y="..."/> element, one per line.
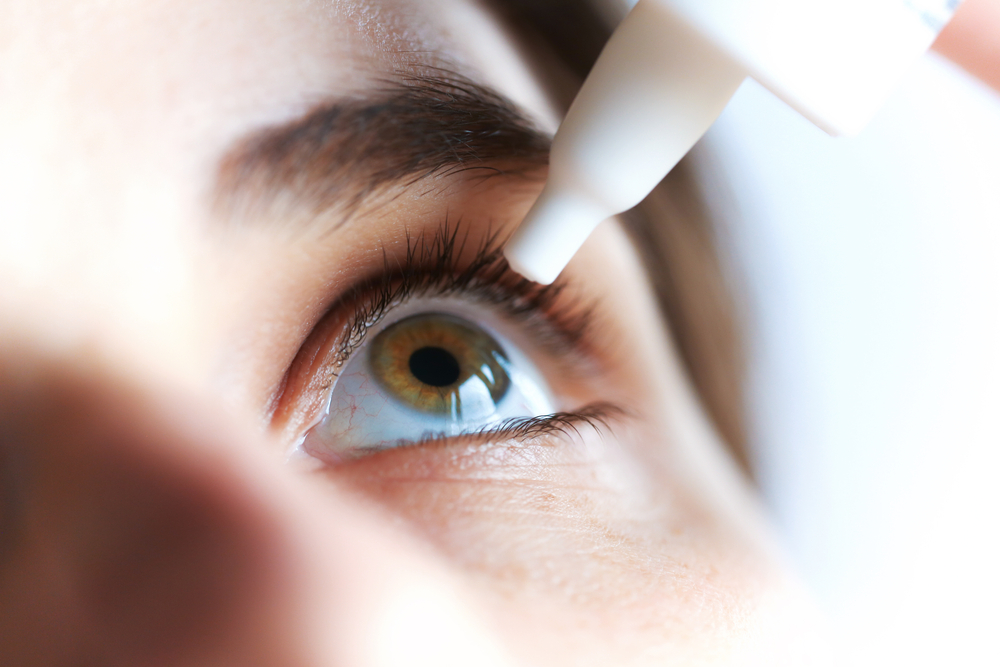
<point x="670" y="69"/>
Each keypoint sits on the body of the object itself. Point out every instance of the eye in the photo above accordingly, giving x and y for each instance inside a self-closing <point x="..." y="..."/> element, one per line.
<point x="422" y="377"/>
<point x="438" y="364"/>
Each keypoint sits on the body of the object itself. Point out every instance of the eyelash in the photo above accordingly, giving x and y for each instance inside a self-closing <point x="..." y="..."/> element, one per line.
<point x="598" y="416"/>
<point x="434" y="267"/>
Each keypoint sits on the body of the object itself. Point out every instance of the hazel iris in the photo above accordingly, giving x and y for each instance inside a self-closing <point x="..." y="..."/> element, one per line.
<point x="442" y="364"/>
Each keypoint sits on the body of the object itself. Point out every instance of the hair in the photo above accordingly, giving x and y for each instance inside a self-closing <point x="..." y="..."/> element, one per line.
<point x="671" y="228"/>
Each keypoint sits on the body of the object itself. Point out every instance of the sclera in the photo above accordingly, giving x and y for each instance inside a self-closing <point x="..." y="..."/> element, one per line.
<point x="362" y="417"/>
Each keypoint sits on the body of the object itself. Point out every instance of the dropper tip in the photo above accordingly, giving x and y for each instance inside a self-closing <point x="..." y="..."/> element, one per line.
<point x="552" y="232"/>
<point x="531" y="268"/>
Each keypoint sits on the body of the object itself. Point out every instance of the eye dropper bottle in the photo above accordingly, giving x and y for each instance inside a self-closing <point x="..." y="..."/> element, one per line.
<point x="669" y="70"/>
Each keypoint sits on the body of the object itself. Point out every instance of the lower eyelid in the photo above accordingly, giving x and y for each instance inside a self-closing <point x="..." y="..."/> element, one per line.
<point x="451" y="460"/>
<point x="526" y="446"/>
<point x="473" y="499"/>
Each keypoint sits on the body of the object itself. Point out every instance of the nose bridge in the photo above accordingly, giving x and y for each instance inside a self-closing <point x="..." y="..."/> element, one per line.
<point x="129" y="535"/>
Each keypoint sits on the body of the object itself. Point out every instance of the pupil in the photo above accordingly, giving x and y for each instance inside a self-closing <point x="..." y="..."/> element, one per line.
<point x="434" y="366"/>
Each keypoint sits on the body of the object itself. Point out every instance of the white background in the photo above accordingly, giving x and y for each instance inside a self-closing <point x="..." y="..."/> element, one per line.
<point x="872" y="270"/>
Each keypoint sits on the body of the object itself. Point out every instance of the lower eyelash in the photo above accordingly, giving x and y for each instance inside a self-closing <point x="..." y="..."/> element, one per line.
<point x="597" y="416"/>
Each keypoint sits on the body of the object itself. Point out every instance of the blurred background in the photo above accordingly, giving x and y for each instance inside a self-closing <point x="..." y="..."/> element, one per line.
<point x="871" y="268"/>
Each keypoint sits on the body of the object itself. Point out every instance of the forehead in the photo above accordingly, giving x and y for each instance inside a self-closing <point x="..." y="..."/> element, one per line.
<point x="116" y="114"/>
<point x="99" y="93"/>
<point x="182" y="79"/>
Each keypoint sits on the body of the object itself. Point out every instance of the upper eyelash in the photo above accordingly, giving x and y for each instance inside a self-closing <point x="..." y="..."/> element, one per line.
<point x="433" y="266"/>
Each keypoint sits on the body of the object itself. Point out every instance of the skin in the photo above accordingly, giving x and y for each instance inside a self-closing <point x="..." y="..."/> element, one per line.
<point x="970" y="39"/>
<point x="148" y="515"/>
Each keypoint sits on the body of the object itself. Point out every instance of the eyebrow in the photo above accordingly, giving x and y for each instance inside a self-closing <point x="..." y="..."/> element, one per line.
<point x="342" y="153"/>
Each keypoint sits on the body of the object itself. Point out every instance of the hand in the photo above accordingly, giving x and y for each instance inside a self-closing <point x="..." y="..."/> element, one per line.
<point x="972" y="39"/>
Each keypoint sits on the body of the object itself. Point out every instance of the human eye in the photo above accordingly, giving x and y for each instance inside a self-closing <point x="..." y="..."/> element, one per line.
<point x="429" y="375"/>
<point x="439" y="348"/>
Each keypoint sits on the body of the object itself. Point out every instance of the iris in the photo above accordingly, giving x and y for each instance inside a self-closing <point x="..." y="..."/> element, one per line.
<point x="441" y="364"/>
<point x="426" y="376"/>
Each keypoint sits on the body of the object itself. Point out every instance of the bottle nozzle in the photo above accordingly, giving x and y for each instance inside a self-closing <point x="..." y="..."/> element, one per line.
<point x="553" y="231"/>
<point x="656" y="88"/>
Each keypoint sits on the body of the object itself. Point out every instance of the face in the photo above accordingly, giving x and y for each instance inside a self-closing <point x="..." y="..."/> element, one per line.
<point x="271" y="396"/>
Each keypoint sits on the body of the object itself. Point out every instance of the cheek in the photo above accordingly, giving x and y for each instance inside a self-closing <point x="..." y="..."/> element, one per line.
<point x="566" y="537"/>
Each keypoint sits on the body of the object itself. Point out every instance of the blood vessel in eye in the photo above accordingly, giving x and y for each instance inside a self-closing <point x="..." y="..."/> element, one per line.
<point x="435" y="366"/>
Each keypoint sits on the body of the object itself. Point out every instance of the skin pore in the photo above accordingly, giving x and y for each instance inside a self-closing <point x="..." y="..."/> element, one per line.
<point x="175" y="290"/>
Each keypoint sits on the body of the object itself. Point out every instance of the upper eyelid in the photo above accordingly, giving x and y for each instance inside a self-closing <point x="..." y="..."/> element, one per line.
<point x="433" y="267"/>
